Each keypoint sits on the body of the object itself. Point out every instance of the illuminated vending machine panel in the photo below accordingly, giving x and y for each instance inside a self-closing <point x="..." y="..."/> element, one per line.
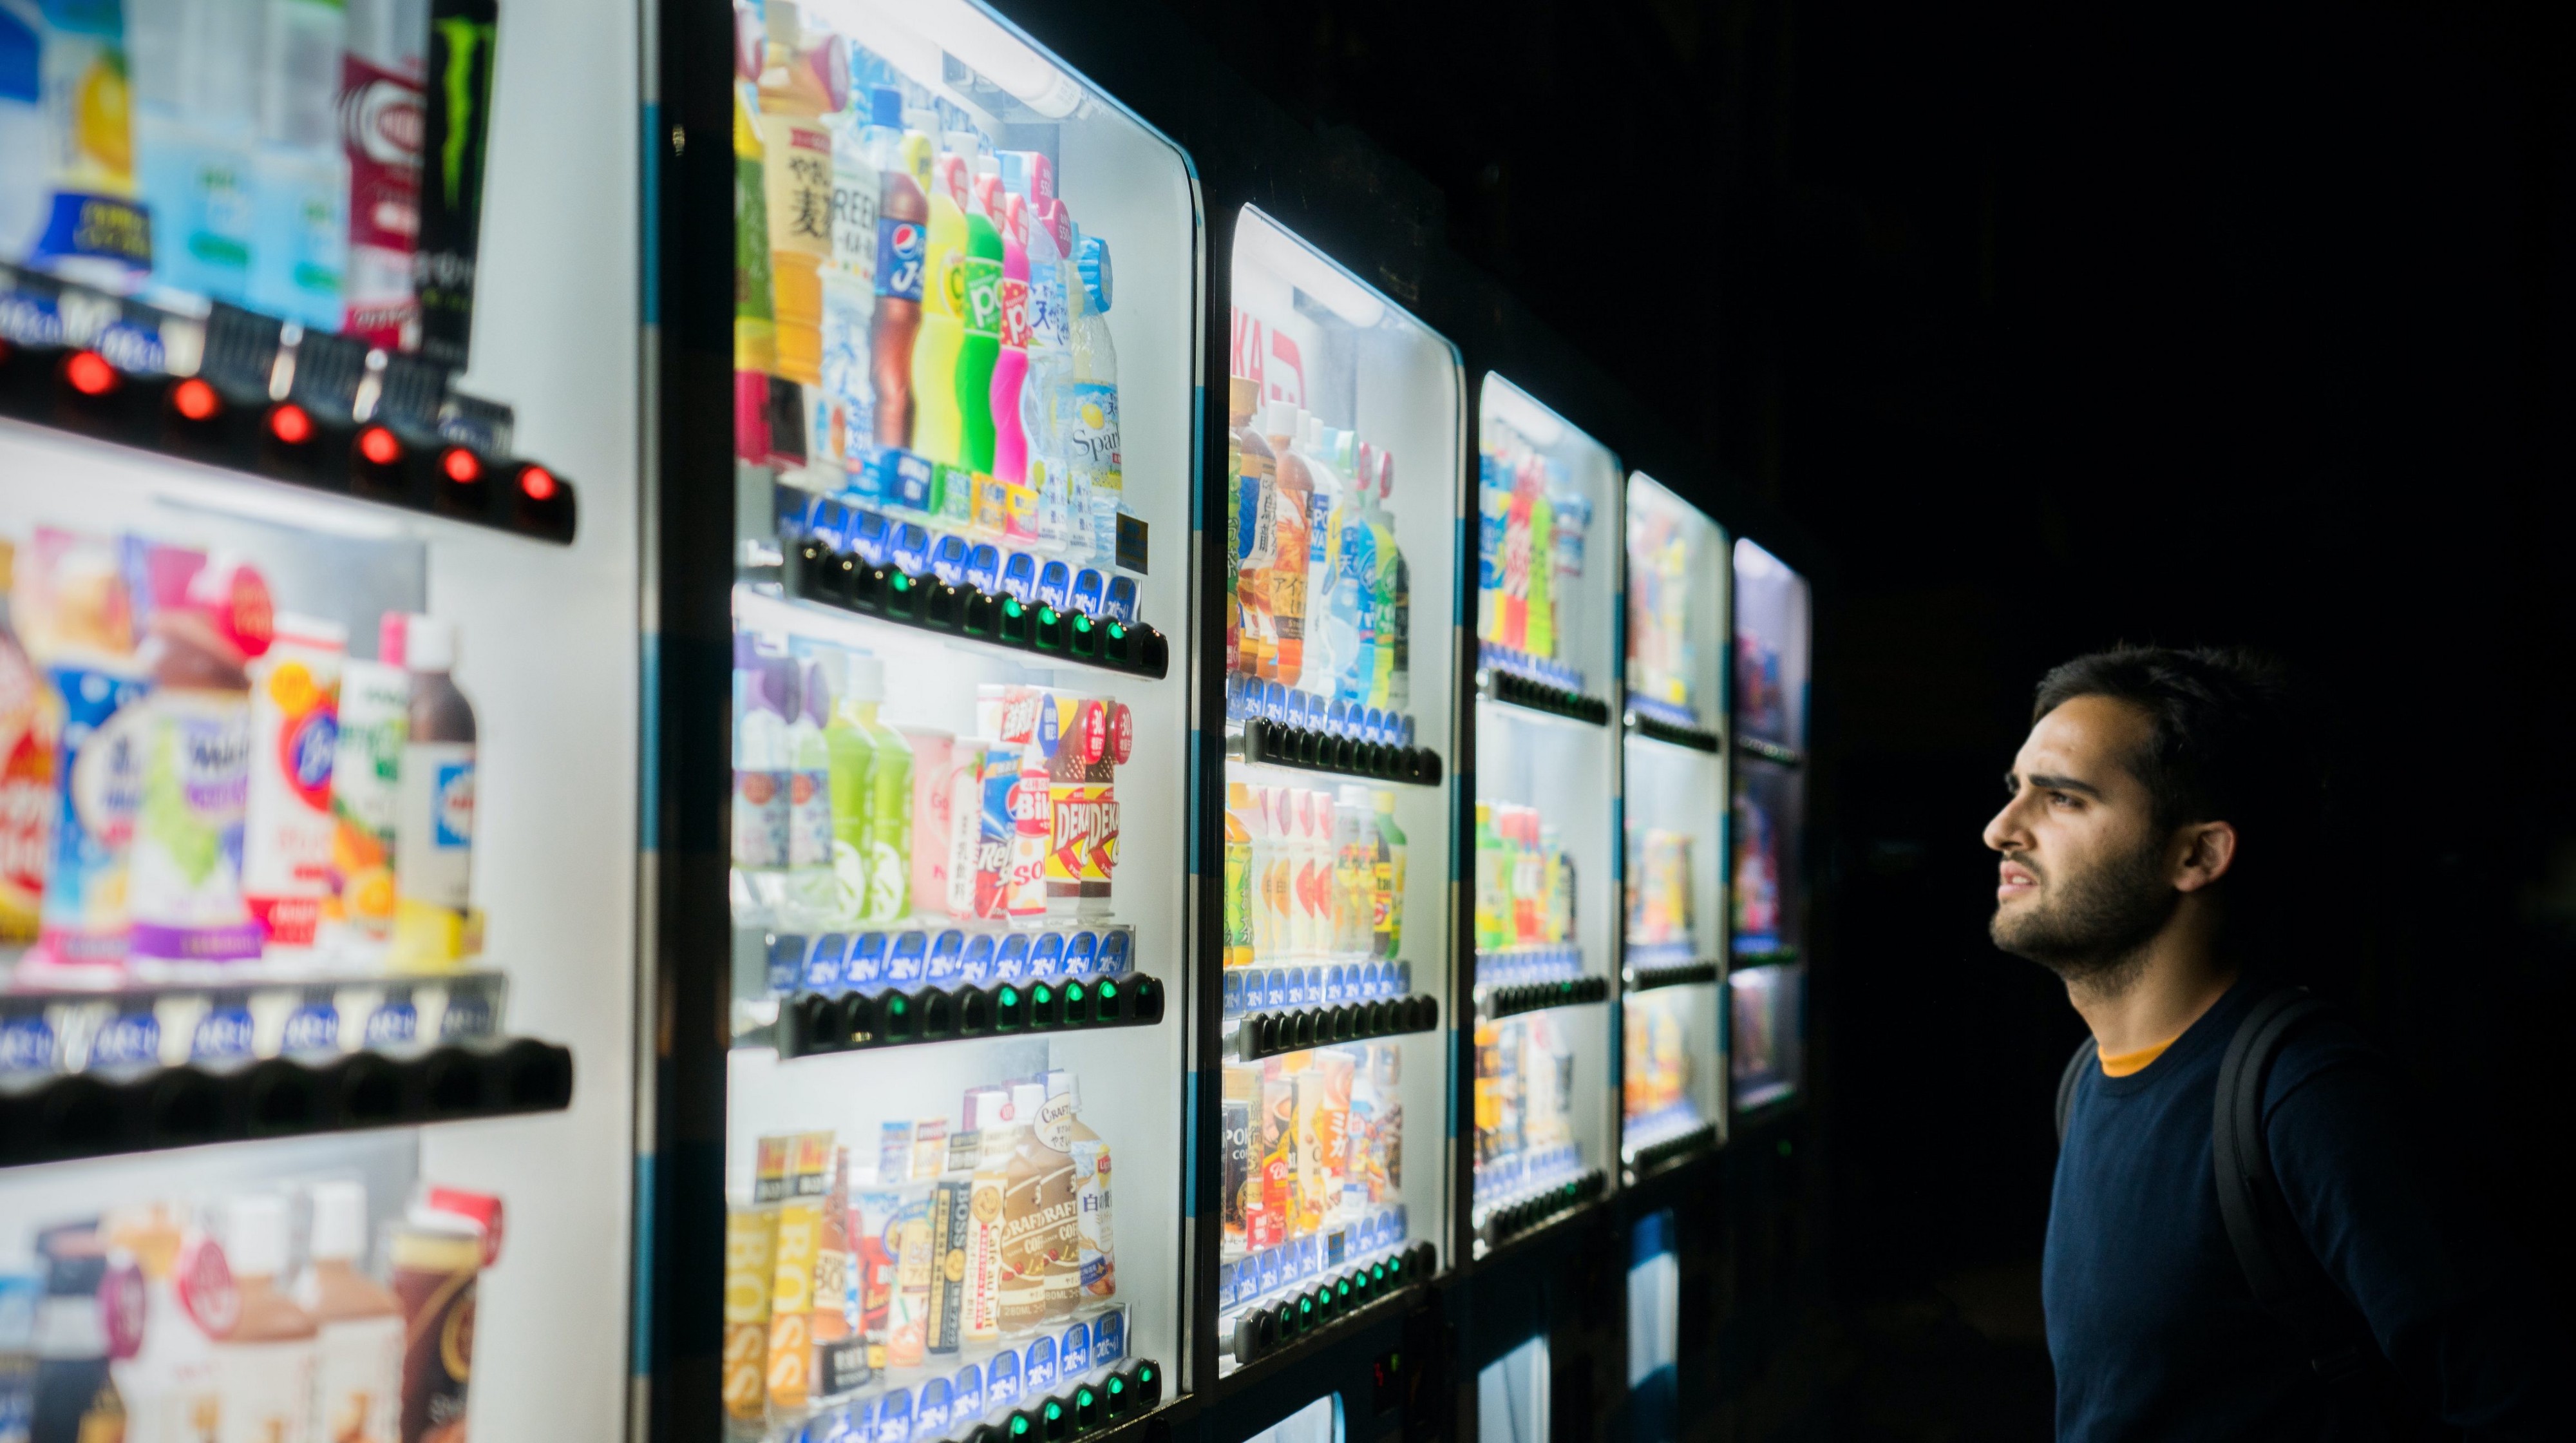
<point x="318" y="721"/>
<point x="1341" y="505"/>
<point x="1767" y="897"/>
<point x="963" y="468"/>
<point x="1675" y="762"/>
<point x="1545" y="872"/>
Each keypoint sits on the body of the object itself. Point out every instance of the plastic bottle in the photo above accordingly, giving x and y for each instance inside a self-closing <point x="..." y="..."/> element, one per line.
<point x="1238" y="875"/>
<point x="26" y="777"/>
<point x="78" y="177"/>
<point x="195" y="70"/>
<point x="937" y="421"/>
<point x="760" y="780"/>
<point x="23" y="151"/>
<point x="381" y="79"/>
<point x="437" y="1270"/>
<point x="358" y="1325"/>
<point x="1493" y="900"/>
<point x="75" y="1397"/>
<point x="813" y="889"/>
<point x="171" y="1390"/>
<point x="980" y="314"/>
<point x="434" y="863"/>
<point x="1354" y="614"/>
<point x="1090" y="417"/>
<point x="1290" y="546"/>
<point x="755" y="311"/>
<point x="1010" y="215"/>
<point x="1386" y="883"/>
<point x="1256" y="533"/>
<point x="300" y="245"/>
<point x="1398" y="604"/>
<point x="1323" y="664"/>
<point x="267" y="1361"/>
<point x="1354" y="825"/>
<point x="889" y="795"/>
<point x="849" y="753"/>
<point x="1390" y="568"/>
<point x="796" y="172"/>
<point x="209" y="622"/>
<point x="1493" y="503"/>
<point x="903" y="241"/>
<point x="1259" y="853"/>
<point x="366" y="799"/>
<point x="849" y="301"/>
<point x="287" y="830"/>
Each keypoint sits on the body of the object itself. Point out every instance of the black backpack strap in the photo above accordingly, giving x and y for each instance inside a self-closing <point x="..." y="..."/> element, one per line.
<point x="2270" y="1249"/>
<point x="2085" y="1054"/>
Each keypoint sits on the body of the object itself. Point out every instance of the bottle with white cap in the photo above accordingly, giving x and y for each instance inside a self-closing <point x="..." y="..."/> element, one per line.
<point x="266" y="1362"/>
<point x="358" y="1346"/>
<point x="434" y="827"/>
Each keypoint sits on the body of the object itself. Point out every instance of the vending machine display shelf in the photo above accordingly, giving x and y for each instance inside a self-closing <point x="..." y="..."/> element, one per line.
<point x="1510" y="688"/>
<point x="813" y="1023"/>
<point x="1686" y="974"/>
<point x="1753" y="950"/>
<point x="1056" y="1384"/>
<point x="1259" y="1331"/>
<point x="1271" y="1034"/>
<point x="1755" y="1099"/>
<point x="373" y="430"/>
<point x="1647" y="1159"/>
<point x="150" y="1109"/>
<point x="1035" y="633"/>
<point x="1656" y="729"/>
<point x="1268" y="743"/>
<point x="1533" y="962"/>
<point x="1500" y="1002"/>
<point x="250" y="1015"/>
<point x="1763" y="750"/>
<point x="1516" y="1219"/>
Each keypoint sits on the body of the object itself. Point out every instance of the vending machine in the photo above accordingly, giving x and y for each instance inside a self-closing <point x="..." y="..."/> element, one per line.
<point x="318" y="704"/>
<point x="955" y="701"/>
<point x="1334" y="1002"/>
<point x="1545" y="877"/>
<point x="1767" y="896"/>
<point x="1674" y="761"/>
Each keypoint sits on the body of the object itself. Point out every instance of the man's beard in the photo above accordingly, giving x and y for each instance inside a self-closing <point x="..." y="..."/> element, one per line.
<point x="2095" y="930"/>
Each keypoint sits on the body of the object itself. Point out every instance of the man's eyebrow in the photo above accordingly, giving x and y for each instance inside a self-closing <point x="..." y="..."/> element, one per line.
<point x="2048" y="783"/>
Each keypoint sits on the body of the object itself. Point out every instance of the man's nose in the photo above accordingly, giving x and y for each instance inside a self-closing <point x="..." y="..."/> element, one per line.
<point x="2004" y="833"/>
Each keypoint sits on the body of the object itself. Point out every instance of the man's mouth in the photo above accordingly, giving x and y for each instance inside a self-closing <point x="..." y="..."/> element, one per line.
<point x="2012" y="879"/>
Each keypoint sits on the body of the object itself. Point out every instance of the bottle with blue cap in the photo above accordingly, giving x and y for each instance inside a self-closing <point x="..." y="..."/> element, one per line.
<point x="1087" y="417"/>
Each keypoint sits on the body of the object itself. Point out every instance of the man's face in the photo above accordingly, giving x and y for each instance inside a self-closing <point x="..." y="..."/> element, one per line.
<point x="2083" y="883"/>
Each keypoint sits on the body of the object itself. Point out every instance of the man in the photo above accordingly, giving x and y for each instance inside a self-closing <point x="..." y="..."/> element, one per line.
<point x="2155" y="816"/>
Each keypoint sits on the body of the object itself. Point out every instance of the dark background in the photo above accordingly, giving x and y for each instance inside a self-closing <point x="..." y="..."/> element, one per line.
<point x="2057" y="326"/>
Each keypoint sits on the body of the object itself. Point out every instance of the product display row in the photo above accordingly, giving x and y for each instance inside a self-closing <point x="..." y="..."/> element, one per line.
<point x="1021" y="755"/>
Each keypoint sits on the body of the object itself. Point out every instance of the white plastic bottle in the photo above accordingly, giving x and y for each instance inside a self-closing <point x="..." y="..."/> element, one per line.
<point x="813" y="891"/>
<point x="434" y="836"/>
<point x="1090" y="414"/>
<point x="266" y="1361"/>
<point x="300" y="231"/>
<point x="195" y="116"/>
<point x="358" y="1345"/>
<point x="1327" y="650"/>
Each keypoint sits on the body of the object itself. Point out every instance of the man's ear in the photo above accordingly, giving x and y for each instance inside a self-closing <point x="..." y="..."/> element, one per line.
<point x="2205" y="851"/>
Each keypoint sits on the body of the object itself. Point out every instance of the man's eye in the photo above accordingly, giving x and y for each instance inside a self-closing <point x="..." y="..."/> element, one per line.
<point x="2061" y="799"/>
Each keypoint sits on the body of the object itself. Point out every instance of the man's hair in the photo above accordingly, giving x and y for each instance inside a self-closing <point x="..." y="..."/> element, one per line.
<point x="2223" y="745"/>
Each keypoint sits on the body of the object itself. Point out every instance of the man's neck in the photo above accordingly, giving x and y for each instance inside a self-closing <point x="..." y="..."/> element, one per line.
<point x="2181" y="978"/>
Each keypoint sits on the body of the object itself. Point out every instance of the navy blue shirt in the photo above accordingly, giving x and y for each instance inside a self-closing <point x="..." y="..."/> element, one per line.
<point x="2152" y="1328"/>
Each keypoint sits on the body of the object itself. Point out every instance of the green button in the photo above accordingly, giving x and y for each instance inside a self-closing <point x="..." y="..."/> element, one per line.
<point x="1082" y="623"/>
<point x="902" y="581"/>
<point x="1010" y="997"/>
<point x="1108" y="990"/>
<point x="1011" y="607"/>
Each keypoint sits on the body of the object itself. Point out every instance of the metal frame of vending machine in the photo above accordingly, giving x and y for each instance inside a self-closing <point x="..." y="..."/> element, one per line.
<point x="980" y="1025"/>
<point x="331" y="965"/>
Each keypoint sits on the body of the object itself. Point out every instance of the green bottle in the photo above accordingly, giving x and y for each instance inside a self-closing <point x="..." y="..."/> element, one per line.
<point x="888" y="802"/>
<point x="1387" y="885"/>
<point x="982" y="348"/>
<point x="850" y="754"/>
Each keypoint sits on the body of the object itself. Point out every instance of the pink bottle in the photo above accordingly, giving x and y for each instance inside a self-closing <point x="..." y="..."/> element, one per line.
<point x="1011" y="370"/>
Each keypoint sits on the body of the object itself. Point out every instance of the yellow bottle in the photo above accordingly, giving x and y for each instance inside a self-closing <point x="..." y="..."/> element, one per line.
<point x="936" y="419"/>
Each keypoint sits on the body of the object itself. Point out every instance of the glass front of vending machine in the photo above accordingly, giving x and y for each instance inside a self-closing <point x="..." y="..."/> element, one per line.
<point x="1545" y="877"/>
<point x="1767" y="917"/>
<point x="1341" y="654"/>
<point x="957" y="820"/>
<point x="318" y="704"/>
<point x="1675" y="788"/>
